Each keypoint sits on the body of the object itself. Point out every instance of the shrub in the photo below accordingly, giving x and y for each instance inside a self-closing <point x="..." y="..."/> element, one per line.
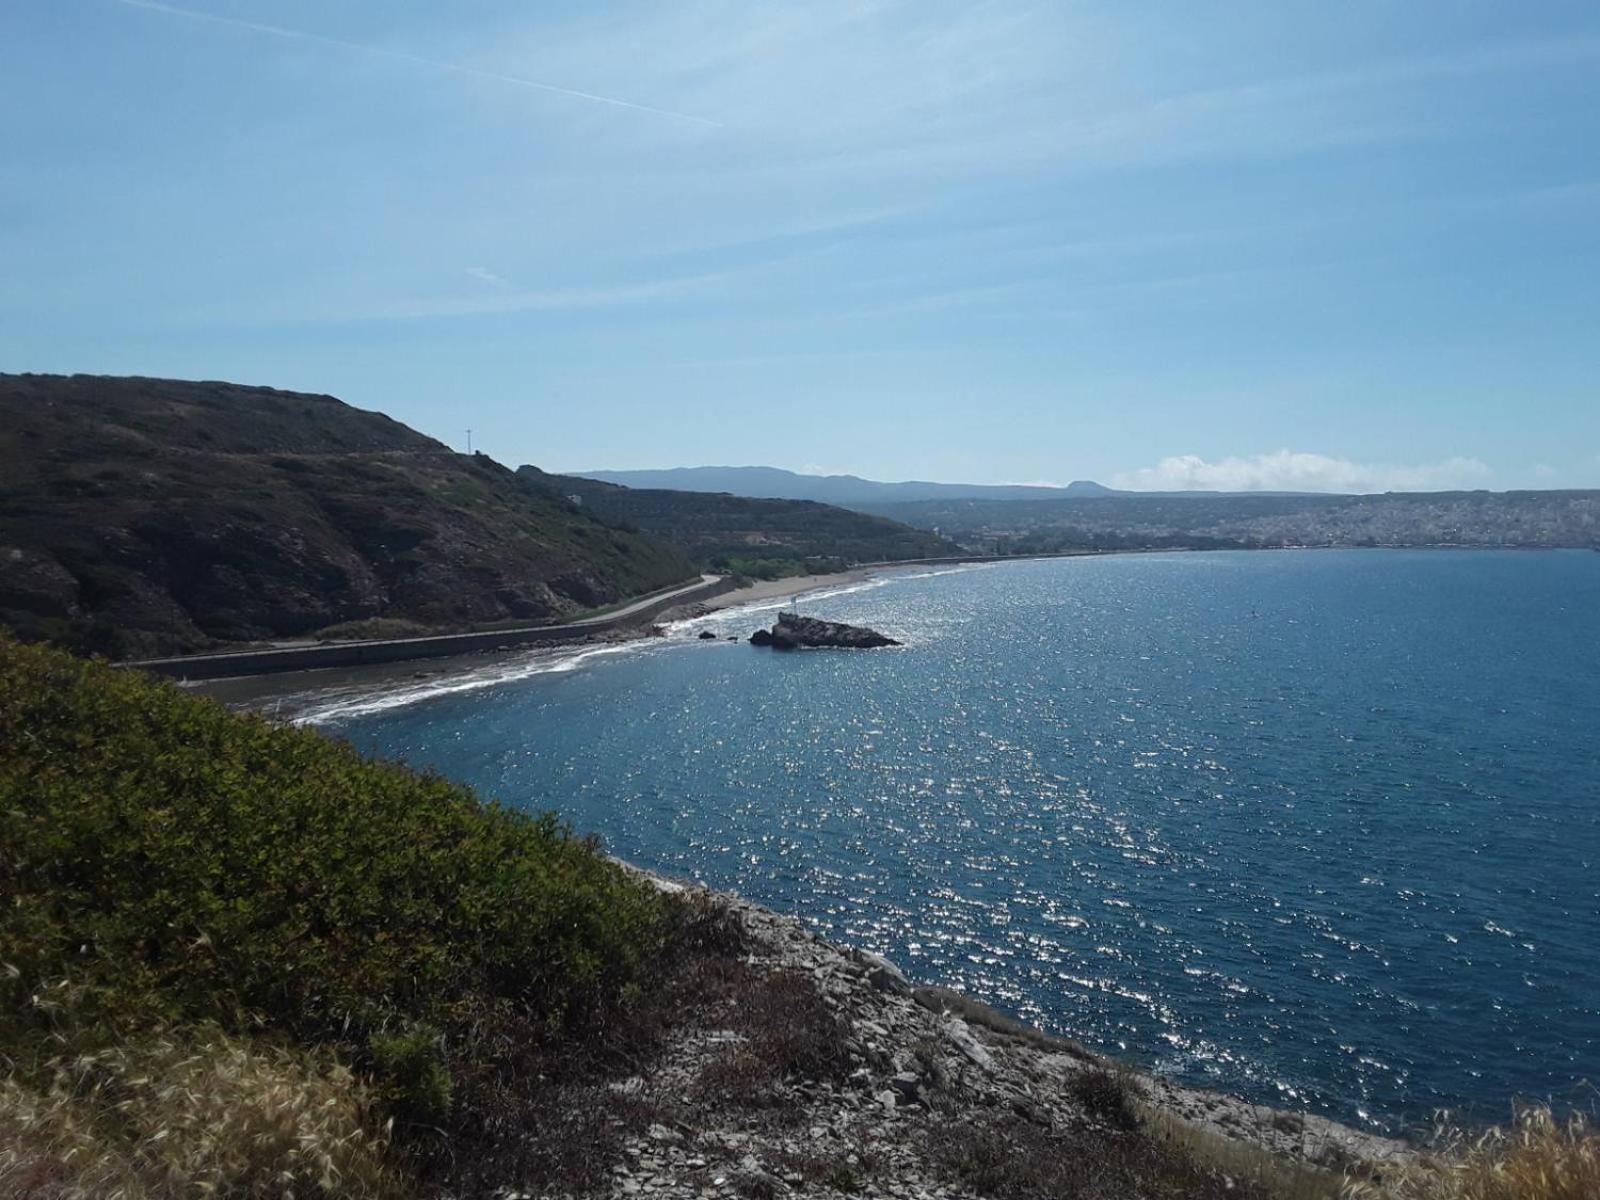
<point x="789" y="1032"/>
<point x="1105" y="1096"/>
<point x="412" y="1066"/>
<point x="1016" y="1160"/>
<point x="165" y="861"/>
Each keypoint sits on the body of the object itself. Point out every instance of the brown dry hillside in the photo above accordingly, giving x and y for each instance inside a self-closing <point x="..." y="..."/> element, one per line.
<point x="146" y="516"/>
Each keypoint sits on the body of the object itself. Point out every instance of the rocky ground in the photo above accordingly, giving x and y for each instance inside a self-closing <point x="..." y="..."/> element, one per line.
<point x="825" y="1071"/>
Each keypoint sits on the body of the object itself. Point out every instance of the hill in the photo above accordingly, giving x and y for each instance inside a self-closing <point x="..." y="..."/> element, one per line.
<point x="847" y="491"/>
<point x="1526" y="519"/>
<point x="758" y="537"/>
<point x="148" y="516"/>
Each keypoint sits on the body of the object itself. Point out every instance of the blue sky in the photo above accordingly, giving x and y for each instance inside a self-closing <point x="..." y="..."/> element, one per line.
<point x="1352" y="246"/>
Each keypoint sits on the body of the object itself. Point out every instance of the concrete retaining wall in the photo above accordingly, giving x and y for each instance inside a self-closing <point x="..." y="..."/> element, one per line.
<point x="356" y="654"/>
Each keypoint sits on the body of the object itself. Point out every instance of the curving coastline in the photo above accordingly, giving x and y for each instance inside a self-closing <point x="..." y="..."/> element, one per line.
<point x="292" y="694"/>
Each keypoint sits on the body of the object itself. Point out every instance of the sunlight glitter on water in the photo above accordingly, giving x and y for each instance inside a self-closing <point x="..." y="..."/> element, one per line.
<point x="1288" y="855"/>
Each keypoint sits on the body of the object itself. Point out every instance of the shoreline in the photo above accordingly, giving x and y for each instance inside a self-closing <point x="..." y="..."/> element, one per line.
<point x="1307" y="1136"/>
<point x="1002" y="1062"/>
<point x="795" y="585"/>
<point x="290" y="695"/>
<point x="298" y="690"/>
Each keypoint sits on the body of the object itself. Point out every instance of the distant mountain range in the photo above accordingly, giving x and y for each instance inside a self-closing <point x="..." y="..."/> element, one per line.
<point x="773" y="483"/>
<point x="1016" y="519"/>
<point x="852" y="491"/>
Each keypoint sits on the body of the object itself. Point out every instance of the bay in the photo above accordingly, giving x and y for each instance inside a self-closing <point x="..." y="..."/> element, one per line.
<point x="1321" y="828"/>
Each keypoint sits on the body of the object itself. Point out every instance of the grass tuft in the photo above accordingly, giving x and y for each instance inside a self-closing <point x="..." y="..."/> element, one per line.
<point x="1539" y="1156"/>
<point x="190" y="1115"/>
<point x="1105" y="1095"/>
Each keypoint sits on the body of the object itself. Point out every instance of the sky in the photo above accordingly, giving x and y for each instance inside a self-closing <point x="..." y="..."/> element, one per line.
<point x="1318" y="246"/>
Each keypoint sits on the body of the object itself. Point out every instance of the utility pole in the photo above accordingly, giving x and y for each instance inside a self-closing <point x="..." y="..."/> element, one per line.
<point x="469" y="441"/>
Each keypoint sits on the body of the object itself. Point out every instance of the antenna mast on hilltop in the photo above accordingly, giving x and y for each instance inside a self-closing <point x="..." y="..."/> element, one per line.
<point x="469" y="441"/>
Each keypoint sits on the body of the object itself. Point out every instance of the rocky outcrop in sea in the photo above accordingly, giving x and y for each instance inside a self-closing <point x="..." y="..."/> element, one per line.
<point x="791" y="631"/>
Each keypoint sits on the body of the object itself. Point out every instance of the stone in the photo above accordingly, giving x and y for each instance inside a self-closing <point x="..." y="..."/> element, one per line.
<point x="960" y="1034"/>
<point x="707" y="636"/>
<point x="791" y="631"/>
<point x="882" y="974"/>
<point x="907" y="1083"/>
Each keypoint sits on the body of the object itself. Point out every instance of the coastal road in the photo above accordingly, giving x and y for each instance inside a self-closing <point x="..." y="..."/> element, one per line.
<point x="314" y="656"/>
<point x="687" y="592"/>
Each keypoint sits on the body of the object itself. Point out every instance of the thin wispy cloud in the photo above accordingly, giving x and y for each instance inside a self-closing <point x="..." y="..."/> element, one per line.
<point x="301" y="35"/>
<point x="511" y="299"/>
<point x="484" y="275"/>
<point x="1077" y="212"/>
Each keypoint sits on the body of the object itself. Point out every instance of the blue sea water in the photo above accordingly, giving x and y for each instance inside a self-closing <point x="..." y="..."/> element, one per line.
<point x="1321" y="828"/>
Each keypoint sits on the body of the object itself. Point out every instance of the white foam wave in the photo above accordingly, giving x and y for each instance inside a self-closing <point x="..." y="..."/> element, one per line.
<point x="824" y="592"/>
<point x="348" y="704"/>
<point x="343" y="706"/>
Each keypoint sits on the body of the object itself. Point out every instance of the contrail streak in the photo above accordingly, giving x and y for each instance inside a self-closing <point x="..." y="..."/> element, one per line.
<point x="414" y="59"/>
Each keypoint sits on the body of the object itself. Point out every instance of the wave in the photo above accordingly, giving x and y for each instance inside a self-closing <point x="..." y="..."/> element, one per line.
<point x="332" y="707"/>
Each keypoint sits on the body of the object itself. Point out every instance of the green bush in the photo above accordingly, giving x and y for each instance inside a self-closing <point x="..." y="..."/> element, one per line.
<point x="164" y="860"/>
<point x="412" y="1063"/>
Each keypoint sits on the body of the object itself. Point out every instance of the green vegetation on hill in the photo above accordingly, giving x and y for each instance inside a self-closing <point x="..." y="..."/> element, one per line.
<point x="762" y="538"/>
<point x="144" y="516"/>
<point x="172" y="870"/>
<point x="170" y="860"/>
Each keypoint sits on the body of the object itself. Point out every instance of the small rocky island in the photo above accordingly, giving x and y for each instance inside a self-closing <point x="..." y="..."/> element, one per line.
<point x="792" y="632"/>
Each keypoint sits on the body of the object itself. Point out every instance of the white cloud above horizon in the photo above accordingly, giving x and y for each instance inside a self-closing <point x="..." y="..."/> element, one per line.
<point x="1298" y="471"/>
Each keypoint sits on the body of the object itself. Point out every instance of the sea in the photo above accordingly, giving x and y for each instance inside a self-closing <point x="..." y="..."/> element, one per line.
<point x="1319" y="828"/>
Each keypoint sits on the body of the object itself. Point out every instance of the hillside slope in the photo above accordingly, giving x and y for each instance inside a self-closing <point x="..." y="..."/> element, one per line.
<point x="144" y="516"/>
<point x="725" y="532"/>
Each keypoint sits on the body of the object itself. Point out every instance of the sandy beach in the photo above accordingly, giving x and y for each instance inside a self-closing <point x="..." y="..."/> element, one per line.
<point x="775" y="589"/>
<point x="294" y="693"/>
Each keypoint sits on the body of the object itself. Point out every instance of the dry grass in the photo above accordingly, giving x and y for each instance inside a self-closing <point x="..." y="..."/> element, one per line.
<point x="1538" y="1156"/>
<point x="1118" y="1146"/>
<point x="1257" y="1171"/>
<point x="205" y="1115"/>
<point x="788" y="1031"/>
